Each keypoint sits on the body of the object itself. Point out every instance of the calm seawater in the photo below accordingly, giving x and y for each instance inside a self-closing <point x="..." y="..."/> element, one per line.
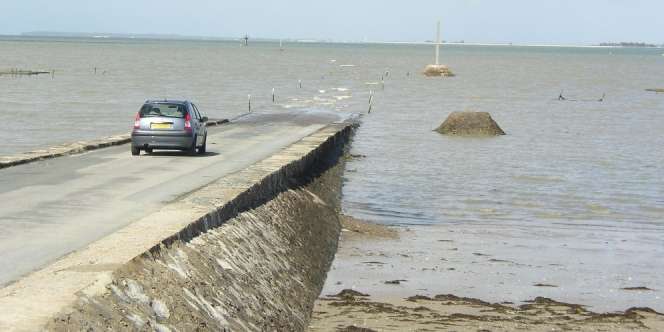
<point x="593" y="171"/>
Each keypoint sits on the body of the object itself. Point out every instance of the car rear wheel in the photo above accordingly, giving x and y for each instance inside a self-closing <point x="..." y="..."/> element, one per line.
<point x="202" y="149"/>
<point x="192" y="149"/>
<point x="135" y="151"/>
<point x="148" y="150"/>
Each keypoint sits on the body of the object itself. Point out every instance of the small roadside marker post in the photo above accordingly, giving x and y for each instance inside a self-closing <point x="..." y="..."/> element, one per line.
<point x="371" y="95"/>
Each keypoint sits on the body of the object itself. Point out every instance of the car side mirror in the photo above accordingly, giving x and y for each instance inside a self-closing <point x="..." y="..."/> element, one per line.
<point x="204" y="119"/>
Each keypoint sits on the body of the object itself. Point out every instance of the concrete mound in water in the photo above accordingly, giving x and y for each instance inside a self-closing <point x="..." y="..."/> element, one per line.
<point x="438" y="71"/>
<point x="470" y="124"/>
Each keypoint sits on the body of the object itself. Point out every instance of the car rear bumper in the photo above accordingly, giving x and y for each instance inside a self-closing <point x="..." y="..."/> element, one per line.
<point x="161" y="140"/>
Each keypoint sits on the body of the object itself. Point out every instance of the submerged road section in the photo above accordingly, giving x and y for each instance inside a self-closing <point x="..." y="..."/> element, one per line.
<point x="53" y="207"/>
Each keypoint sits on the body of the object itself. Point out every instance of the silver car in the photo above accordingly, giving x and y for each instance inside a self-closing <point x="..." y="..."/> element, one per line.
<point x="170" y="125"/>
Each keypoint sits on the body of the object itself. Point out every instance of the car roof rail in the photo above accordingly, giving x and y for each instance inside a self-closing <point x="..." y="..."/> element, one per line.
<point x="165" y="100"/>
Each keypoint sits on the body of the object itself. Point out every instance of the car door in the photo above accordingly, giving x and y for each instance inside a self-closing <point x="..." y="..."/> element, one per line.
<point x="195" y="123"/>
<point x="202" y="126"/>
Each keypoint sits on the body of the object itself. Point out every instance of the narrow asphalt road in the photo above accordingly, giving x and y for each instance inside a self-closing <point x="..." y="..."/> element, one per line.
<point x="53" y="207"/>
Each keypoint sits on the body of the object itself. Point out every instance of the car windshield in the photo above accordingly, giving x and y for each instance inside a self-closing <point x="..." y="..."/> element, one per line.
<point x="163" y="110"/>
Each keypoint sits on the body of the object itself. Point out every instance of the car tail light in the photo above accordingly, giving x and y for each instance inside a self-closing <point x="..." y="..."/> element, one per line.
<point x="187" y="122"/>
<point x="137" y="121"/>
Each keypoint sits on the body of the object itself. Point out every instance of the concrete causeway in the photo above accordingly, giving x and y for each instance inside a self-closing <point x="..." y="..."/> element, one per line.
<point x="69" y="223"/>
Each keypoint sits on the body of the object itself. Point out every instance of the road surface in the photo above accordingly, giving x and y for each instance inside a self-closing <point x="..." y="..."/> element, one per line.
<point x="53" y="207"/>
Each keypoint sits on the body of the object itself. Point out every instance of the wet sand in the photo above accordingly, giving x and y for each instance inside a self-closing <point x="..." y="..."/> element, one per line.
<point x="396" y="279"/>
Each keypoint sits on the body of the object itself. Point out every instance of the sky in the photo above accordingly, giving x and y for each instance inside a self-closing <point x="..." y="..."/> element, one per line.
<point x="496" y="21"/>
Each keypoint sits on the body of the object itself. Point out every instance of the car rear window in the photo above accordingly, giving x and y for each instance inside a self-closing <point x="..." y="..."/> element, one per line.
<point x="163" y="110"/>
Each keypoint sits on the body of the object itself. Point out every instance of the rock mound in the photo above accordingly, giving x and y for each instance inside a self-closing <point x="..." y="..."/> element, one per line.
<point x="438" y="71"/>
<point x="470" y="124"/>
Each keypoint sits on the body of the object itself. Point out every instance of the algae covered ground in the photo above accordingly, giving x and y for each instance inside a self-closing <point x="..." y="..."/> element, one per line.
<point x="350" y="311"/>
<point x="391" y="289"/>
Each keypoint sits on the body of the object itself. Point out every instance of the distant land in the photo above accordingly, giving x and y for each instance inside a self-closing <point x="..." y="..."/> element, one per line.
<point x="113" y="35"/>
<point x="629" y="44"/>
<point x="153" y="36"/>
<point x="156" y="36"/>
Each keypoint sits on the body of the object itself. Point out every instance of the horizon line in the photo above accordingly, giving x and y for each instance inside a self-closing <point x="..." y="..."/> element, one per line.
<point x="174" y="36"/>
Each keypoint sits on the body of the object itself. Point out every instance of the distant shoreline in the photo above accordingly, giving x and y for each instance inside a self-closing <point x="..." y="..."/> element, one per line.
<point x="157" y="37"/>
<point x="518" y="45"/>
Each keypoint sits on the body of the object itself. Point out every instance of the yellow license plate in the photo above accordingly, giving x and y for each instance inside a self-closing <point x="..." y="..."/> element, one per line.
<point x="161" y="125"/>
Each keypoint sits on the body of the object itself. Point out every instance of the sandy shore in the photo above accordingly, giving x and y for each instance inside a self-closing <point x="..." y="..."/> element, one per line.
<point x="386" y="279"/>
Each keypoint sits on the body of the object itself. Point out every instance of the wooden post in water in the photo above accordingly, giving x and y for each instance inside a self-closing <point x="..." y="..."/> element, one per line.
<point x="249" y="97"/>
<point x="371" y="94"/>
<point x="299" y="84"/>
<point x="273" y="98"/>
